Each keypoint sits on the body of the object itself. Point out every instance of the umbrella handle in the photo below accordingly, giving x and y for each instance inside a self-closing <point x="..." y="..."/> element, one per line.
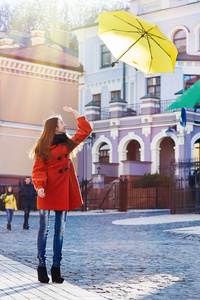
<point x="113" y="63"/>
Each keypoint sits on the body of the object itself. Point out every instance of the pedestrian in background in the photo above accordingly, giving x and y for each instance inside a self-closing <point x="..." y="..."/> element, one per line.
<point x="27" y="194"/>
<point x="56" y="183"/>
<point x="10" y="205"/>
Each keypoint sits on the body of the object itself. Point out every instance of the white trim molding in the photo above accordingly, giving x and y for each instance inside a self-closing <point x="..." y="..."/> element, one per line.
<point x="122" y="149"/>
<point x="28" y="69"/>
<point x="155" y="149"/>
<point x="95" y="150"/>
<point x="197" y="37"/>
<point x="193" y="140"/>
<point x="177" y="28"/>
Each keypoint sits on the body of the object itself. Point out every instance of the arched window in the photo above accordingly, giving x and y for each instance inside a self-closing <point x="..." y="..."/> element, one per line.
<point x="180" y="41"/>
<point x="197" y="150"/>
<point x="133" y="152"/>
<point x="104" y="153"/>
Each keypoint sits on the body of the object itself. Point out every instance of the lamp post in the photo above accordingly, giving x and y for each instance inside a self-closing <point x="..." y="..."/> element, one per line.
<point x="86" y="146"/>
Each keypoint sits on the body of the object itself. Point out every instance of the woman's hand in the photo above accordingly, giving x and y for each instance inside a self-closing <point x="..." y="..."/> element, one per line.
<point x="72" y="111"/>
<point x="41" y="193"/>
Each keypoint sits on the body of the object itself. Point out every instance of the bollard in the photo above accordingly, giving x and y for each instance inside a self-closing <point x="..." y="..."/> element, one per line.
<point x="123" y="195"/>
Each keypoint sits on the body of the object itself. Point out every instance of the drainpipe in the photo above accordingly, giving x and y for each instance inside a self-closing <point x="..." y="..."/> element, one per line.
<point x="124" y="83"/>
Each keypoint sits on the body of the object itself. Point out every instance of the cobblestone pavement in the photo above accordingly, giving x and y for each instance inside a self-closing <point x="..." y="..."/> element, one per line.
<point x="146" y="261"/>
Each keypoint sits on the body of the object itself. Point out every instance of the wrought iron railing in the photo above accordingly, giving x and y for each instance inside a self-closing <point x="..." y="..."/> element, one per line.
<point x="135" y="109"/>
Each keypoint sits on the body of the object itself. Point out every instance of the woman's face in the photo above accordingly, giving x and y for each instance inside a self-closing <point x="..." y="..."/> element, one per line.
<point x="9" y="189"/>
<point x="61" y="127"/>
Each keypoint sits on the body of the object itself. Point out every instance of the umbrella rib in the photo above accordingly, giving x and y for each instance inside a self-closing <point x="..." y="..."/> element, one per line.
<point x="141" y="25"/>
<point x="150" y="52"/>
<point x="129" y="48"/>
<point x="160" y="46"/>
<point x="140" y="31"/>
<point x="146" y="32"/>
<point x="149" y="30"/>
<point x="130" y="23"/>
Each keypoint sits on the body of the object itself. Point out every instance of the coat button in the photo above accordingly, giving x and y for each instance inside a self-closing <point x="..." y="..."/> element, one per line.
<point x="60" y="171"/>
<point x="66" y="169"/>
<point x="59" y="157"/>
<point x="66" y="155"/>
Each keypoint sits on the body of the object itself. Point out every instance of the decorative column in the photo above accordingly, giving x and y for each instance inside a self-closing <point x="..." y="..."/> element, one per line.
<point x="150" y="105"/>
<point x="92" y="111"/>
<point x="117" y="106"/>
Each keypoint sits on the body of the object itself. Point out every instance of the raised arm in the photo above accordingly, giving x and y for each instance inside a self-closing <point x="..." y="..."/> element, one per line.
<point x="84" y="128"/>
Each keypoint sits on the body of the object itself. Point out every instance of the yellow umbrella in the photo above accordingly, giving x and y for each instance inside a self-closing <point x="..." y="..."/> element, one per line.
<point x="136" y="42"/>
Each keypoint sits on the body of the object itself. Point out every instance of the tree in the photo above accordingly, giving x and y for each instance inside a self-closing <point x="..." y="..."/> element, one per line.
<point x="25" y="16"/>
<point x="6" y="15"/>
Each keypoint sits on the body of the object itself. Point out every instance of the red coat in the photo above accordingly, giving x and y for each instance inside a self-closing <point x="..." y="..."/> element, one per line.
<point x="58" y="177"/>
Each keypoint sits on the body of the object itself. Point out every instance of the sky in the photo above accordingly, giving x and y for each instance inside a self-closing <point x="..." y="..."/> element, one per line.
<point x="78" y="9"/>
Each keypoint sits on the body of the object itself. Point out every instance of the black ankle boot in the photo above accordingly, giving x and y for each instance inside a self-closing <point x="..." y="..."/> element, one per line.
<point x="55" y="273"/>
<point x="42" y="274"/>
<point x="25" y="226"/>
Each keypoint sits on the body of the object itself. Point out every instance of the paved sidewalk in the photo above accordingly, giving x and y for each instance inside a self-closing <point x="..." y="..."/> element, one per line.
<point x="140" y="254"/>
<point x="18" y="281"/>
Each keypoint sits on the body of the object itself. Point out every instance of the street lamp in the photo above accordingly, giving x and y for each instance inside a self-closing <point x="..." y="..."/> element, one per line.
<point x="98" y="170"/>
<point x="170" y="130"/>
<point x="90" y="139"/>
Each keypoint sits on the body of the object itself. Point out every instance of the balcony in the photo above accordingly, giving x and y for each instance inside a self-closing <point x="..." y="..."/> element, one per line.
<point x="149" y="105"/>
<point x="135" y="110"/>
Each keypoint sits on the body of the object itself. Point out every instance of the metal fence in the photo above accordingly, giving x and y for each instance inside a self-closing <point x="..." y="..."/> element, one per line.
<point x="134" y="109"/>
<point x="124" y="194"/>
<point x="185" y="187"/>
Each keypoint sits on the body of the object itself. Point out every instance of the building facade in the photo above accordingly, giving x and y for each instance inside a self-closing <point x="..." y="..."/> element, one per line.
<point x="38" y="76"/>
<point x="132" y="132"/>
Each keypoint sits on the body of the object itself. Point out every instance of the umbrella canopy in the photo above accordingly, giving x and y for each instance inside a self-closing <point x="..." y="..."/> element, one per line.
<point x="136" y="42"/>
<point x="189" y="98"/>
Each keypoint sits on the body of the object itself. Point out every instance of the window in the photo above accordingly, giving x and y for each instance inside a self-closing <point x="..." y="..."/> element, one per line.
<point x="153" y="86"/>
<point x="104" y="153"/>
<point x="189" y="80"/>
<point x="151" y="7"/>
<point x="197" y="150"/>
<point x="97" y="99"/>
<point x="115" y="94"/>
<point x="105" y="57"/>
<point x="180" y="41"/>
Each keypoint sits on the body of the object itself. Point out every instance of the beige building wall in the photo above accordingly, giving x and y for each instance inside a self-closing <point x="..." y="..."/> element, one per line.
<point x="25" y="102"/>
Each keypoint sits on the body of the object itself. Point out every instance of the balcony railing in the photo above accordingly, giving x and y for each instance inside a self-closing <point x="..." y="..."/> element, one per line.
<point x="135" y="109"/>
<point x="164" y="104"/>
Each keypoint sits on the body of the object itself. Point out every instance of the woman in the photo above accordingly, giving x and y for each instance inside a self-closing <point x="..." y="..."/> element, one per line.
<point x="56" y="183"/>
<point x="10" y="205"/>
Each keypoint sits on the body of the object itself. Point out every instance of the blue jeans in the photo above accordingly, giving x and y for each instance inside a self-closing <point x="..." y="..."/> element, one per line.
<point x="26" y="214"/>
<point x="59" y="229"/>
<point x="9" y="213"/>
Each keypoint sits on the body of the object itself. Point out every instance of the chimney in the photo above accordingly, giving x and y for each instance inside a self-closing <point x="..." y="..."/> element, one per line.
<point x="7" y="42"/>
<point x="38" y="37"/>
<point x="59" y="33"/>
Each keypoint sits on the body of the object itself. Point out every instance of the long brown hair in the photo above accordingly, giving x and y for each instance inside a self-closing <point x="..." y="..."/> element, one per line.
<point x="42" y="149"/>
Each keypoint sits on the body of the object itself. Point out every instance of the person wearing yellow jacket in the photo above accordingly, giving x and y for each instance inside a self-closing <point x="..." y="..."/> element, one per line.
<point x="10" y="205"/>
